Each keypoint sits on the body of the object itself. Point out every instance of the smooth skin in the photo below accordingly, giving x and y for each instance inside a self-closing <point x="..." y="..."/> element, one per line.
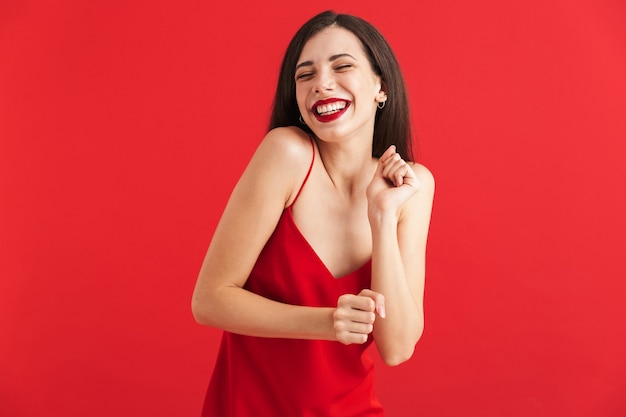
<point x="352" y="208"/>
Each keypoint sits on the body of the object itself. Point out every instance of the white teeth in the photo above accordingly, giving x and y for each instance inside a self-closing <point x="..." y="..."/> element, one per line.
<point x="330" y="108"/>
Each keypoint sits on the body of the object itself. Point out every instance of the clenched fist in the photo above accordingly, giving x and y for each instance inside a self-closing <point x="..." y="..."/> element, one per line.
<point x="355" y="315"/>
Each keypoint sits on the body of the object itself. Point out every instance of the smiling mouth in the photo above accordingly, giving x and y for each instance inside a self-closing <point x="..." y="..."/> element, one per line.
<point x="329" y="110"/>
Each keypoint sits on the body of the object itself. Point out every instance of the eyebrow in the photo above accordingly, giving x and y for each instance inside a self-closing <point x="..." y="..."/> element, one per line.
<point x="332" y="58"/>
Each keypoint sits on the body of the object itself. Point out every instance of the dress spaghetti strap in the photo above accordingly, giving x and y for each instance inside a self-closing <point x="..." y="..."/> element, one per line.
<point x="308" y="173"/>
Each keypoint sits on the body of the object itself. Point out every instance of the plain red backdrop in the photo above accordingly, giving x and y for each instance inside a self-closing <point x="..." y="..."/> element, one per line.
<point x="125" y="124"/>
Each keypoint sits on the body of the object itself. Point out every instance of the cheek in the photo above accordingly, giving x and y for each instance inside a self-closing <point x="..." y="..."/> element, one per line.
<point x="300" y="97"/>
<point x="367" y="86"/>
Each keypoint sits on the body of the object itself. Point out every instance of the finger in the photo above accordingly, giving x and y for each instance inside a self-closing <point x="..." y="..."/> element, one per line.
<point x="348" y="338"/>
<point x="401" y="173"/>
<point x="351" y="330"/>
<point x="389" y="157"/>
<point x="378" y="299"/>
<point x="353" y="326"/>
<point x="347" y="313"/>
<point x="396" y="171"/>
<point x="390" y="151"/>
<point x="357" y="302"/>
<point x="393" y="161"/>
<point x="359" y="328"/>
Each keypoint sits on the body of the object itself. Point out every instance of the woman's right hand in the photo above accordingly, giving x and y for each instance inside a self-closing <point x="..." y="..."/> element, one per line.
<point x="355" y="315"/>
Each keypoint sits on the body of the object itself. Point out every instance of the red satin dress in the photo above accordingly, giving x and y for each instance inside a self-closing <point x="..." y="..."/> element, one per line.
<point x="272" y="377"/>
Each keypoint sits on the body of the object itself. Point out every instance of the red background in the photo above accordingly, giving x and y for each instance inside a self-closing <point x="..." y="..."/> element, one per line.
<point x="125" y="124"/>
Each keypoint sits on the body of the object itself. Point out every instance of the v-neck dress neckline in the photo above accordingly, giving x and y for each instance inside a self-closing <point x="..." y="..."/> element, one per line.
<point x="288" y="214"/>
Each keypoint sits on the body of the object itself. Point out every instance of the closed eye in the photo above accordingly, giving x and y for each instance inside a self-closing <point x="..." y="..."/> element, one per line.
<point x="304" y="75"/>
<point x="343" y="67"/>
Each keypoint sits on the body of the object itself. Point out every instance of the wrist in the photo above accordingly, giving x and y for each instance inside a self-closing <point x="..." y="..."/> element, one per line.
<point x="381" y="218"/>
<point x="328" y="327"/>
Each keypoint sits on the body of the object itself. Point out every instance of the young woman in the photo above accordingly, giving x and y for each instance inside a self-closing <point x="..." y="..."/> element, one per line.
<point x="321" y="247"/>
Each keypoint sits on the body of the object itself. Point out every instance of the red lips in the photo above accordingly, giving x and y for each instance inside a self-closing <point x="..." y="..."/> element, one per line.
<point x="332" y="116"/>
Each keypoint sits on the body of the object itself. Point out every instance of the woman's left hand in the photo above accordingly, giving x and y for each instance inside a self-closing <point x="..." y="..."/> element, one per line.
<point x="392" y="185"/>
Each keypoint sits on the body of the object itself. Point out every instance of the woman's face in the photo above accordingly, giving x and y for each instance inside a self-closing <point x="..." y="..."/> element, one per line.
<point x="336" y="89"/>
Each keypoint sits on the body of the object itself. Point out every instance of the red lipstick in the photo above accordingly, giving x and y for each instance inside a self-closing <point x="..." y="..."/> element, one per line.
<point x="325" y="118"/>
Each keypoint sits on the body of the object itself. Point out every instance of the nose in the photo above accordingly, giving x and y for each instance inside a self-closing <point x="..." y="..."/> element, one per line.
<point x="324" y="81"/>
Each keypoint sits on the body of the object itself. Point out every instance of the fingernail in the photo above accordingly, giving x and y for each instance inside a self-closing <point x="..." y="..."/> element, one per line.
<point x="381" y="311"/>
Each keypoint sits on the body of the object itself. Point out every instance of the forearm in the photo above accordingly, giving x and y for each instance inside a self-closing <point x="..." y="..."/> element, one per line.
<point x="396" y="334"/>
<point x="237" y="310"/>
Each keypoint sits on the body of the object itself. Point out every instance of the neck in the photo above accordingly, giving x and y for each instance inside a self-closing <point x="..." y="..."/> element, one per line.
<point x="349" y="168"/>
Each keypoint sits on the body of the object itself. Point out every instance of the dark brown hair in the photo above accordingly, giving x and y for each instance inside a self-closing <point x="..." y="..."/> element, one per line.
<point x="392" y="125"/>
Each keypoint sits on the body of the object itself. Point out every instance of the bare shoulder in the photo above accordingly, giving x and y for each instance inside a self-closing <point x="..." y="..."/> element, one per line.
<point x="286" y="145"/>
<point x="418" y="208"/>
<point x="282" y="160"/>
<point x="415" y="215"/>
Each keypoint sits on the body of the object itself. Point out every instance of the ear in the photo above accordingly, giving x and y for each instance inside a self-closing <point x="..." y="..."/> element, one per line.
<point x="381" y="97"/>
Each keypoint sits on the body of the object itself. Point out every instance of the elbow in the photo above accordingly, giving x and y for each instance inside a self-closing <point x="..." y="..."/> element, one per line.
<point x="398" y="357"/>
<point x="209" y="308"/>
<point x="204" y="305"/>
<point x="199" y="312"/>
<point x="400" y="352"/>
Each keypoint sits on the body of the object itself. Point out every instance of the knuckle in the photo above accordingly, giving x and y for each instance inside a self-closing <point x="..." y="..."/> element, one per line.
<point x="371" y="318"/>
<point x="338" y="327"/>
<point x="338" y="315"/>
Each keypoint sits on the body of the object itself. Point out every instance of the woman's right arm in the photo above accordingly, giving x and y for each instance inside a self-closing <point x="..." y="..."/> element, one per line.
<point x="268" y="184"/>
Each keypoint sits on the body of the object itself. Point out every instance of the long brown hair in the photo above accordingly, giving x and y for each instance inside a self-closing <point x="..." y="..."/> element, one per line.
<point x="392" y="124"/>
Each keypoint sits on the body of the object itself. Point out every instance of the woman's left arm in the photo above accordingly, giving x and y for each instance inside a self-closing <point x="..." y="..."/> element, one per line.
<point x="400" y="199"/>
